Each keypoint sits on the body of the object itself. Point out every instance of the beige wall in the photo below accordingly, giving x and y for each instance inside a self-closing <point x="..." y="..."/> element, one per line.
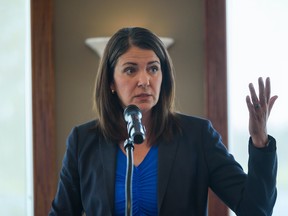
<point x="76" y="64"/>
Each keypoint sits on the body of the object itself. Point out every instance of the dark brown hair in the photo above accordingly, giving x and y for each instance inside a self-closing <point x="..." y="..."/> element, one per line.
<point x="108" y="107"/>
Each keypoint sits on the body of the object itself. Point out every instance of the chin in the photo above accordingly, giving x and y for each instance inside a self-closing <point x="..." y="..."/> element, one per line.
<point x="145" y="107"/>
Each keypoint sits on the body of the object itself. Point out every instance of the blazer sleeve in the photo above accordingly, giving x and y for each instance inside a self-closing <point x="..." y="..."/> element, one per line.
<point x="251" y="194"/>
<point x="67" y="200"/>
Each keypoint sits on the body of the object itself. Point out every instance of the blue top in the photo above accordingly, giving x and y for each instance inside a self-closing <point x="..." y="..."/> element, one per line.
<point x="144" y="184"/>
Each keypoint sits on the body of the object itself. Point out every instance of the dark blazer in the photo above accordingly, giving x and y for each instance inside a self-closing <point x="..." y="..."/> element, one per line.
<point x="188" y="165"/>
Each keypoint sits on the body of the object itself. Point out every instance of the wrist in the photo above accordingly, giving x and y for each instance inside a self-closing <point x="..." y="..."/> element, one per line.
<point x="270" y="146"/>
<point x="260" y="142"/>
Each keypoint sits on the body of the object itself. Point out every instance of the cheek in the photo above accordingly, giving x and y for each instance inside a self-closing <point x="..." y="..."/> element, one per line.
<point x="123" y="90"/>
<point x="159" y="84"/>
<point x="123" y="86"/>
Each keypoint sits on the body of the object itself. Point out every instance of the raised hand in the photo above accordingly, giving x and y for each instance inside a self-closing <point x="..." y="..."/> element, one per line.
<point x="259" y="110"/>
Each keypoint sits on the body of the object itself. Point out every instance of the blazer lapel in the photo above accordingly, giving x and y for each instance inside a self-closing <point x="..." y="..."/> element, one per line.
<point x="166" y="154"/>
<point x="108" y="153"/>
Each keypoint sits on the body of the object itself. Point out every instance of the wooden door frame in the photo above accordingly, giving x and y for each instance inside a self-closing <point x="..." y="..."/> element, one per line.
<point x="216" y="80"/>
<point x="43" y="106"/>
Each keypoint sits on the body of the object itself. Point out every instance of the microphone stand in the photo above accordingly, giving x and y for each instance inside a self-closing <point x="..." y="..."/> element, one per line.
<point x="129" y="147"/>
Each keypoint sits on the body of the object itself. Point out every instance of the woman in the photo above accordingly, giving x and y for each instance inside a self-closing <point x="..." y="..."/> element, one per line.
<point x="181" y="157"/>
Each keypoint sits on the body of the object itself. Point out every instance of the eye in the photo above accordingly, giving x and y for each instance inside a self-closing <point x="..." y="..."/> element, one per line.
<point x="129" y="70"/>
<point x="154" y="69"/>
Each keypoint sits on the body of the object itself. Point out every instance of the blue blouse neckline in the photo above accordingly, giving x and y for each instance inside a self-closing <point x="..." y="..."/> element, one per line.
<point x="144" y="184"/>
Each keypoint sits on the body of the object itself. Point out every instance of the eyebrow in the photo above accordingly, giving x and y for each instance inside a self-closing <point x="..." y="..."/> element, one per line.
<point x="152" y="62"/>
<point x="149" y="63"/>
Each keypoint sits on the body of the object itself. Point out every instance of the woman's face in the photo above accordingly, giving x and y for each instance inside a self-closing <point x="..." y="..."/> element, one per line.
<point x="138" y="78"/>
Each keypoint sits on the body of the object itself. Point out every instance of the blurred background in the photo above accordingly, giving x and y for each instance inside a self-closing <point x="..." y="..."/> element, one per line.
<point x="256" y="46"/>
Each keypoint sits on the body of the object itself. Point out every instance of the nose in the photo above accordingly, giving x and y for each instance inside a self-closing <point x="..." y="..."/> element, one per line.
<point x="143" y="79"/>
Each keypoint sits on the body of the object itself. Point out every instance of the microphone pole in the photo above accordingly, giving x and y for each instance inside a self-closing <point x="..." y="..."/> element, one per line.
<point x="129" y="147"/>
<point x="136" y="134"/>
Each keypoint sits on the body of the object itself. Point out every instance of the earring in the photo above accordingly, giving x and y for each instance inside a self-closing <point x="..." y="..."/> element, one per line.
<point x="113" y="91"/>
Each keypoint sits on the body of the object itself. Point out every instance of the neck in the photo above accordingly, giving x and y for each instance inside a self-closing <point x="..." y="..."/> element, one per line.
<point x="146" y="118"/>
<point x="146" y="121"/>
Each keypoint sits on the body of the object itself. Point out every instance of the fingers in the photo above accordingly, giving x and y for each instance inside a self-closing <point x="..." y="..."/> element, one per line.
<point x="271" y="103"/>
<point x="272" y="100"/>
<point x="262" y="92"/>
<point x="264" y="99"/>
<point x="249" y="104"/>
<point x="253" y="94"/>
<point x="267" y="89"/>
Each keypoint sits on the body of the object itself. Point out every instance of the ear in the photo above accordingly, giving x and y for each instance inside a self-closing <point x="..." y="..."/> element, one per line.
<point x="112" y="87"/>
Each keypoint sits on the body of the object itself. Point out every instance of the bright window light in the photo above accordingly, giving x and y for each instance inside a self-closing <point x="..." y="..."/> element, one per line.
<point x="257" y="33"/>
<point x="16" y="181"/>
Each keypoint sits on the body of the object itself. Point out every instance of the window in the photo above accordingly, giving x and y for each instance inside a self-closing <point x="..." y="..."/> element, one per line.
<point x="15" y="109"/>
<point x="257" y="45"/>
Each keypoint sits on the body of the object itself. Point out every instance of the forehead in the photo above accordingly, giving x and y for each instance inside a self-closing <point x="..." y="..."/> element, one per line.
<point x="136" y="54"/>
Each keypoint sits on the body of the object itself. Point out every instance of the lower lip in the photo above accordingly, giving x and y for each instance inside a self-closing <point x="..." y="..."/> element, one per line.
<point x="143" y="97"/>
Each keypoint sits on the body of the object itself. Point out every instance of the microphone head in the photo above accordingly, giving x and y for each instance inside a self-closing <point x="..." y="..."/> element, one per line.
<point x="133" y="115"/>
<point x="131" y="110"/>
<point x="138" y="138"/>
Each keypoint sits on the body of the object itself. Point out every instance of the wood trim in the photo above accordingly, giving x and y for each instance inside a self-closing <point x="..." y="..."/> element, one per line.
<point x="43" y="99"/>
<point x="216" y="80"/>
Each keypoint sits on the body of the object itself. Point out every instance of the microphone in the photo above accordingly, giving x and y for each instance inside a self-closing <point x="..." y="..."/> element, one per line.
<point x="136" y="131"/>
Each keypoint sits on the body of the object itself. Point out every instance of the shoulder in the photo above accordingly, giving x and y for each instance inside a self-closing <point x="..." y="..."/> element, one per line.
<point x="87" y="126"/>
<point x="84" y="131"/>
<point x="195" y="126"/>
<point x="85" y="138"/>
<point x="191" y="121"/>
